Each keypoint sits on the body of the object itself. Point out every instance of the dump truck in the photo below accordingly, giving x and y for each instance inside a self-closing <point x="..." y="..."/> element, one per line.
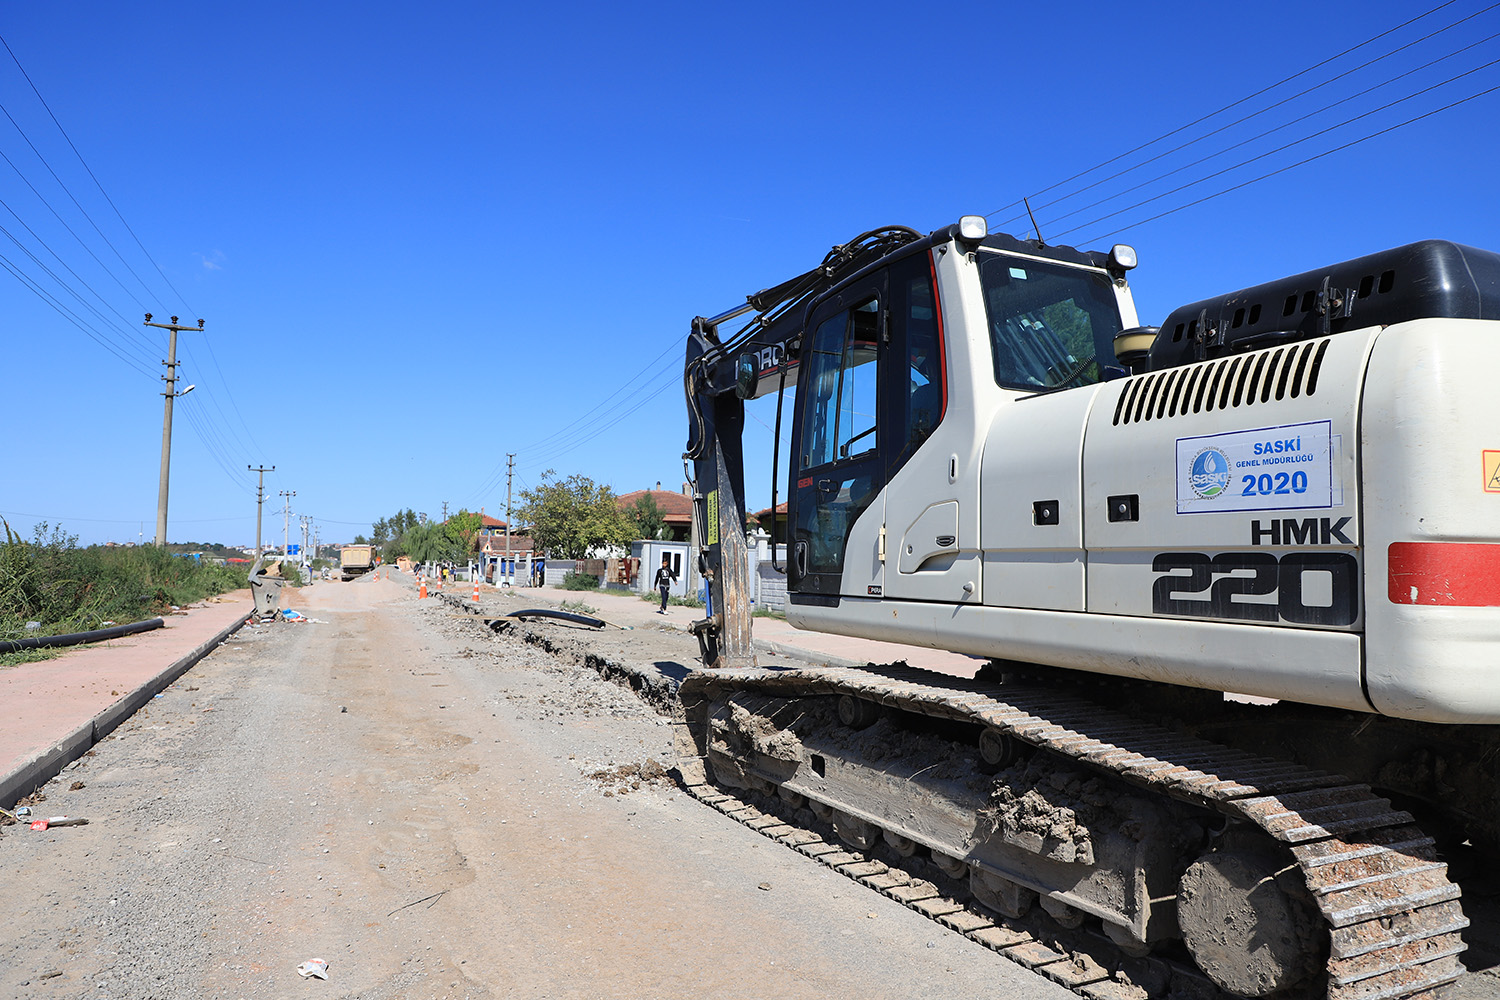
<point x="356" y="559"/>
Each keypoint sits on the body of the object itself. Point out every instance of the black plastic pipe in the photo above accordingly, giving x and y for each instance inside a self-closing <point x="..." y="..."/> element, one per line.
<point x="566" y="616"/>
<point x="77" y="638"/>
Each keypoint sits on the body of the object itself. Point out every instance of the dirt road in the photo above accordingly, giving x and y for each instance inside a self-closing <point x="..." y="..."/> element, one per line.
<point x="442" y="837"/>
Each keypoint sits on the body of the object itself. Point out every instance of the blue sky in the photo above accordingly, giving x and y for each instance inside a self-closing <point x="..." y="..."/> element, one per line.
<point x="423" y="238"/>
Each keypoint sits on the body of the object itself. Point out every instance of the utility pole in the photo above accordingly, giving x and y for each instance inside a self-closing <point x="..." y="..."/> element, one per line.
<point x="510" y="469"/>
<point x="171" y="394"/>
<point x="286" y="522"/>
<point x="445" y="512"/>
<point x="260" y="500"/>
<point x="306" y="522"/>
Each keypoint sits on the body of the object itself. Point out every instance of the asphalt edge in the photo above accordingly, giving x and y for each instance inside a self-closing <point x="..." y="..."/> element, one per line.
<point x="37" y="771"/>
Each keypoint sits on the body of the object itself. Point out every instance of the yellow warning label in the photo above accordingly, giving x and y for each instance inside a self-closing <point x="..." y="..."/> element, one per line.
<point x="713" y="515"/>
<point x="1492" y="471"/>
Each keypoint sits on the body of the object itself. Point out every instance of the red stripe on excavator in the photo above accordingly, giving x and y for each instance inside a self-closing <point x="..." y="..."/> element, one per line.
<point x="1452" y="574"/>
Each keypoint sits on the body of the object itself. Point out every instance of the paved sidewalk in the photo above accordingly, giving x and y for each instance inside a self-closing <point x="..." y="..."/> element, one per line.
<point x="56" y="709"/>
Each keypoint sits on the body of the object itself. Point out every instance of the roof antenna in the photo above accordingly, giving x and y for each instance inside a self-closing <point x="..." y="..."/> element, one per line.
<point x="1034" y="227"/>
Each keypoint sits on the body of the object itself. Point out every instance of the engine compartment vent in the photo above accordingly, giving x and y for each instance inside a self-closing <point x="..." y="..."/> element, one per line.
<point x="1430" y="279"/>
<point x="1242" y="380"/>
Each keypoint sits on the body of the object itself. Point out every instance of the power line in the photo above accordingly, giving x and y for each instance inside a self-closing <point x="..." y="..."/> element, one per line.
<point x="1227" y="107"/>
<point x="72" y="317"/>
<point x="1270" y="107"/>
<point x="95" y="179"/>
<point x="205" y="424"/>
<point x="492" y="478"/>
<point x="614" y="417"/>
<point x="61" y="283"/>
<point x="1311" y="114"/>
<point x="1298" y="142"/>
<point x="1310" y="159"/>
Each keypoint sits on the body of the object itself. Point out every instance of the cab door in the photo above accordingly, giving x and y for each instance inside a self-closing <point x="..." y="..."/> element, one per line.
<point x="838" y="471"/>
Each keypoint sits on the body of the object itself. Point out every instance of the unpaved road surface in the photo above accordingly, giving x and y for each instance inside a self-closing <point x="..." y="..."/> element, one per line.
<point x="478" y="823"/>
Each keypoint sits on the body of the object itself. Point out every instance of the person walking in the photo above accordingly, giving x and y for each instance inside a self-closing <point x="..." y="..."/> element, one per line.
<point x="664" y="578"/>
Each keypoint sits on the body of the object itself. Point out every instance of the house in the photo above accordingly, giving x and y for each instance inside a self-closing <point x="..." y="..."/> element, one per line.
<point x="676" y="509"/>
<point x="494" y="548"/>
<point x="773" y="526"/>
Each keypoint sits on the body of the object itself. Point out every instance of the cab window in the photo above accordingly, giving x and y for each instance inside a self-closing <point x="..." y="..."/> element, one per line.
<point x="838" y="420"/>
<point x="1051" y="326"/>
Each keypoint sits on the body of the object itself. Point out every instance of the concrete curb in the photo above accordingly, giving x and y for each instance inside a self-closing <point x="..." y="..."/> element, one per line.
<point x="36" y="772"/>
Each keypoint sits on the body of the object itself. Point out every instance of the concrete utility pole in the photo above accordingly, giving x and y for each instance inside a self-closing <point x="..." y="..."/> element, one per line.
<point x="260" y="500"/>
<point x="166" y="421"/>
<point x="306" y="523"/>
<point x="286" y="522"/>
<point x="510" y="468"/>
<point x="445" y="512"/>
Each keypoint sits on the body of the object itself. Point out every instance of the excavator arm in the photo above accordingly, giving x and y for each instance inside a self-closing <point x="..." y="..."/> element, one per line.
<point x="720" y="374"/>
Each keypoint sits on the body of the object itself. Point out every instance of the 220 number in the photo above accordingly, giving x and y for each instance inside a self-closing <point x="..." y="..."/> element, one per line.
<point x="1260" y="574"/>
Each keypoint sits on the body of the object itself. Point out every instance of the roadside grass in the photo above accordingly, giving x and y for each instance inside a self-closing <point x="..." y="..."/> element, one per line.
<point x="654" y="597"/>
<point x="578" y="607"/>
<point x="63" y="588"/>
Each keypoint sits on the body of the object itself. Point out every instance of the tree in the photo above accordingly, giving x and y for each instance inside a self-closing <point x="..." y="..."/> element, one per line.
<point x="647" y="517"/>
<point x="568" y="517"/>
<point x="462" y="528"/>
<point x="386" y="533"/>
<point x="429" y="543"/>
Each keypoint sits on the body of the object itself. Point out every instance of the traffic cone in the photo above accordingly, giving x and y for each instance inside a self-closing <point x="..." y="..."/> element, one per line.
<point x="476" y="591"/>
<point x="421" y="587"/>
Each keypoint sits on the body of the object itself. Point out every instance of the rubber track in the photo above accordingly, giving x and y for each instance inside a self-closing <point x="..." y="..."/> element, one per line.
<point x="1393" y="917"/>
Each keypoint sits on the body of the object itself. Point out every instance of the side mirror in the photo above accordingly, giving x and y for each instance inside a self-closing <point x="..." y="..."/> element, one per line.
<point x="746" y="375"/>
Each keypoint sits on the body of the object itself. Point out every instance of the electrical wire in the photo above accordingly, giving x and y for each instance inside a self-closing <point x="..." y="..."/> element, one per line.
<point x="492" y="479"/>
<point x="215" y="452"/>
<point x="1270" y="107"/>
<point x="1295" y="121"/>
<point x="72" y="317"/>
<point x="94" y="178"/>
<point x="208" y="424"/>
<point x="1298" y="142"/>
<point x="1310" y="159"/>
<point x="85" y="304"/>
<point x="1229" y="106"/>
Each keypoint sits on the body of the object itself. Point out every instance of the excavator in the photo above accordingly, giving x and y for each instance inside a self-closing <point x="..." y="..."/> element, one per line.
<point x="1231" y="581"/>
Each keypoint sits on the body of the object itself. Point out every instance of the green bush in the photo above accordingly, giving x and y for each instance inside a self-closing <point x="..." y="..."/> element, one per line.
<point x="579" y="581"/>
<point x="65" y="588"/>
<point x="291" y="574"/>
<point x="579" y="607"/>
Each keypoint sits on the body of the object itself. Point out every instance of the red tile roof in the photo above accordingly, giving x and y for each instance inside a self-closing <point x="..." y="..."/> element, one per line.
<point x="676" y="508"/>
